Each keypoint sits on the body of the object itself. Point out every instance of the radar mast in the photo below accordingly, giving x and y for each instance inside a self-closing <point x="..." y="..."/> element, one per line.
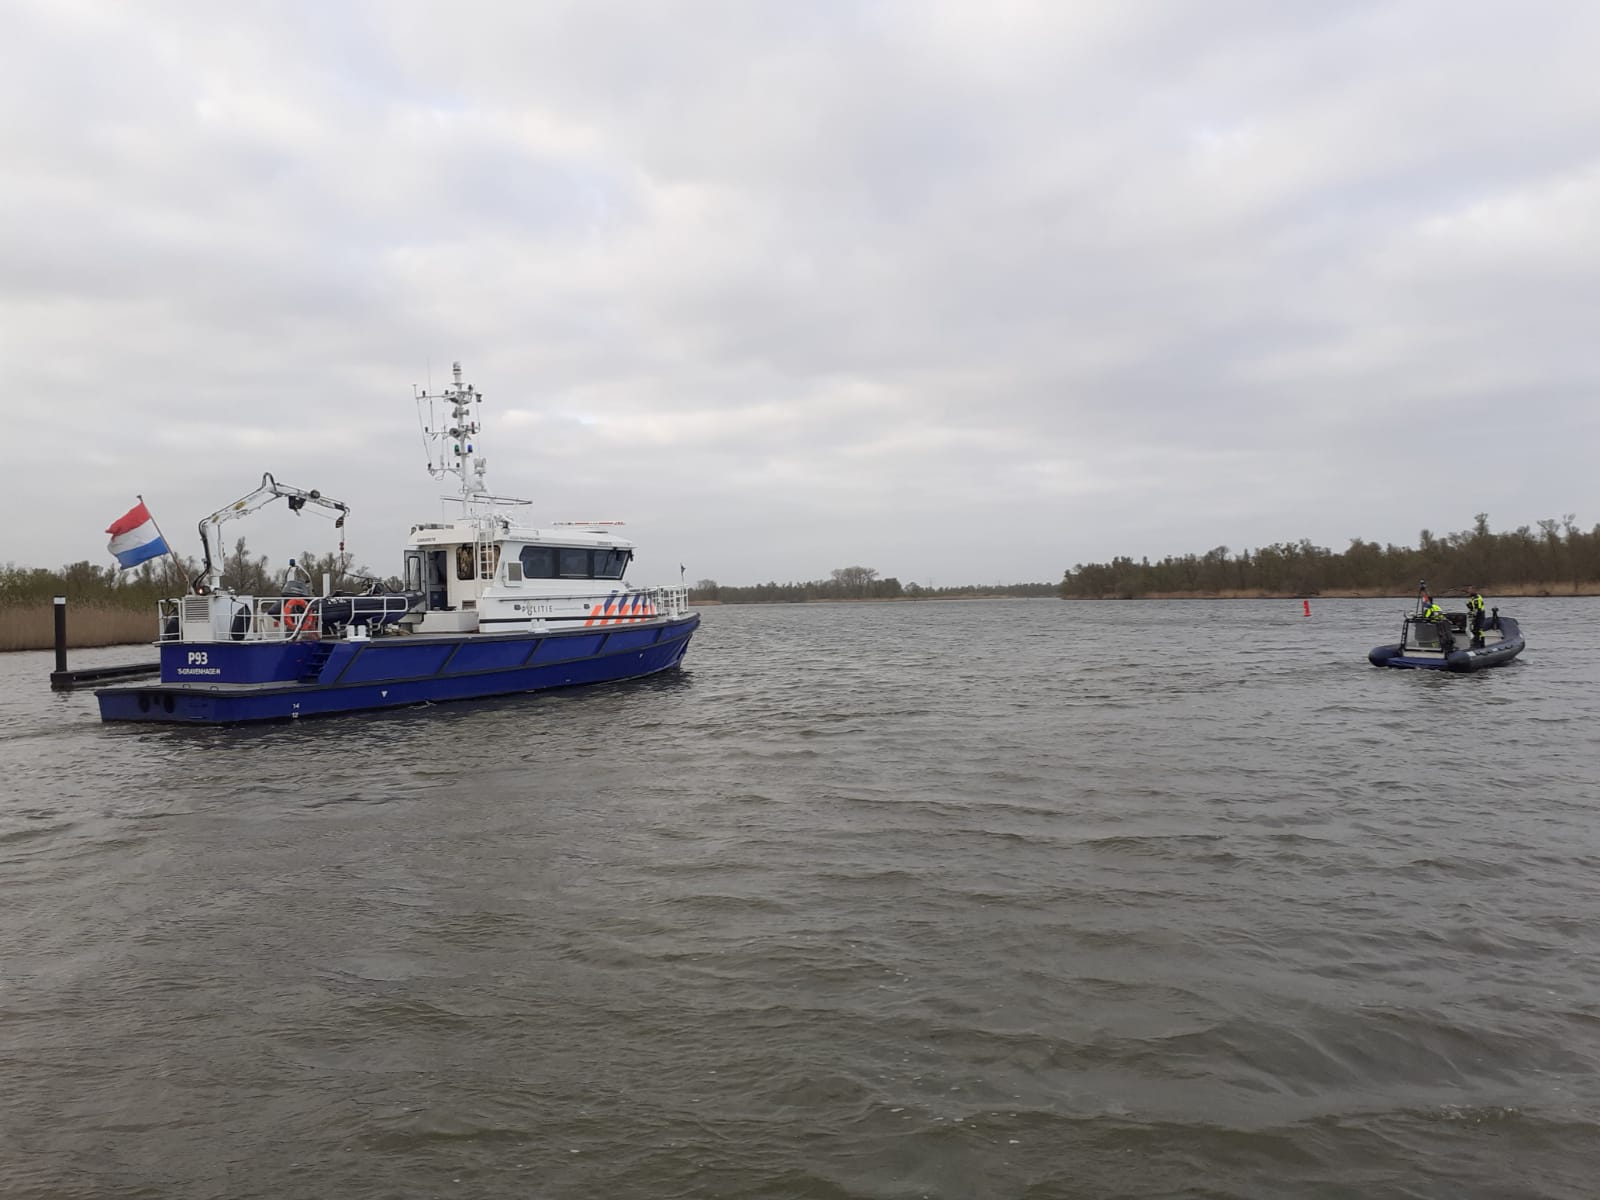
<point x="450" y="428"/>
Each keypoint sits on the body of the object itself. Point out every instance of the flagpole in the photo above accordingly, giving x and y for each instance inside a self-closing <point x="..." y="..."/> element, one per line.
<point x="183" y="572"/>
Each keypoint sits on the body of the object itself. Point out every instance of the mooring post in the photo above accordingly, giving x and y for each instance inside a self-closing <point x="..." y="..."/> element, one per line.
<point x="63" y="680"/>
<point x="61" y="633"/>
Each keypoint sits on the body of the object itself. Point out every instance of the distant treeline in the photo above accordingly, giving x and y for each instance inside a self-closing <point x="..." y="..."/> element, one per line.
<point x="1557" y="554"/>
<point x="854" y="583"/>
<point x="106" y="584"/>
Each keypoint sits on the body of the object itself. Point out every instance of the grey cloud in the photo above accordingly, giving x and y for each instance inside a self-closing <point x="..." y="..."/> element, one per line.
<point x="962" y="291"/>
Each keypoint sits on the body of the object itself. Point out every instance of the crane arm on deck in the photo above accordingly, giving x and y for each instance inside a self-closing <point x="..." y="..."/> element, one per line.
<point x="269" y="491"/>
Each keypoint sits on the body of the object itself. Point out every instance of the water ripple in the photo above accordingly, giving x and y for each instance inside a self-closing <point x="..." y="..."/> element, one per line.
<point x="939" y="900"/>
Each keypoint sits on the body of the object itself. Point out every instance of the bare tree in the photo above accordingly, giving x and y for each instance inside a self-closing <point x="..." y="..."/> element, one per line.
<point x="854" y="581"/>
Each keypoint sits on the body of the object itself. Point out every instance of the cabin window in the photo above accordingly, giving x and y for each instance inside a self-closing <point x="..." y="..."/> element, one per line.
<point x="513" y="572"/>
<point x="538" y="562"/>
<point x="464" y="562"/>
<point x="573" y="562"/>
<point x="413" y="572"/>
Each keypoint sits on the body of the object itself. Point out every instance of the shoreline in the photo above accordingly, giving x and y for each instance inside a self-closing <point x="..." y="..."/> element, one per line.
<point x="1529" y="591"/>
<point x="38" y="638"/>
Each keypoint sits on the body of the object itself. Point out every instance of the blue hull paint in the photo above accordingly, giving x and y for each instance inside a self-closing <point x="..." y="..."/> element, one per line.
<point x="343" y="677"/>
<point x="1468" y="659"/>
<point x="235" y="662"/>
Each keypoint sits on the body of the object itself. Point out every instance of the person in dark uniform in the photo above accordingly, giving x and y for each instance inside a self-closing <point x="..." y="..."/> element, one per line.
<point x="1475" y="614"/>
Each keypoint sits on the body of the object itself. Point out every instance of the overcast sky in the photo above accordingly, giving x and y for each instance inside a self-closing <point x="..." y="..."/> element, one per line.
<point x="967" y="292"/>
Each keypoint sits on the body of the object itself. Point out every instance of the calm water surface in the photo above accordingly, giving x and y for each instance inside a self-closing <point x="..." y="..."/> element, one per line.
<point x="1023" y="899"/>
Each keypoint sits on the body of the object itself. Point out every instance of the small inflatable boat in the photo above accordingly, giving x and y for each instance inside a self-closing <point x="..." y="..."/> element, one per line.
<point x="1448" y="644"/>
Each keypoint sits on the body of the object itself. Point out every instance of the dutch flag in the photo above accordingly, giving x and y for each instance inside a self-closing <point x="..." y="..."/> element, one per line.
<point x="134" y="537"/>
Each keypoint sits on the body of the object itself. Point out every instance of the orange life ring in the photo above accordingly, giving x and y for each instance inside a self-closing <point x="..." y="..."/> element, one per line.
<point x="294" y="621"/>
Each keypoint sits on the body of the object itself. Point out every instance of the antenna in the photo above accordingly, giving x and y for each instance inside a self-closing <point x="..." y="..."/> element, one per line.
<point x="450" y="427"/>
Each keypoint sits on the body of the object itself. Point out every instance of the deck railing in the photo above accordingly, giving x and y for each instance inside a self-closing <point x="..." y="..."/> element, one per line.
<point x="224" y="617"/>
<point x="268" y="618"/>
<point x="624" y="608"/>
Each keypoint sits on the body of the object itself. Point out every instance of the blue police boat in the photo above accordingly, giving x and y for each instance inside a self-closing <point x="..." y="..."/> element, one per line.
<point x="486" y="606"/>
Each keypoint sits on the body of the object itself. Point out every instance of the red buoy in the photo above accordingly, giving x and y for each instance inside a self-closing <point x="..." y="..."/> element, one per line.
<point x="1307" y="603"/>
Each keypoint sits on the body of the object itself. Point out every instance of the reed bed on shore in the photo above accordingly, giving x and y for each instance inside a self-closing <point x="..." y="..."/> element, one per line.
<point x="32" y="626"/>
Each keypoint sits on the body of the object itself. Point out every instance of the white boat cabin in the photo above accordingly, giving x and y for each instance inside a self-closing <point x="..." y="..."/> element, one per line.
<point x="489" y="576"/>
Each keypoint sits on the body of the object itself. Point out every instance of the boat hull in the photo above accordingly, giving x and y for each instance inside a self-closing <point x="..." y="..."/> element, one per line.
<point x="356" y="676"/>
<point x="1497" y="655"/>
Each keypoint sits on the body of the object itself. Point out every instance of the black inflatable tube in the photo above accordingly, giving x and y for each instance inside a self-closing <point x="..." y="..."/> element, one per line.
<point x="1464" y="660"/>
